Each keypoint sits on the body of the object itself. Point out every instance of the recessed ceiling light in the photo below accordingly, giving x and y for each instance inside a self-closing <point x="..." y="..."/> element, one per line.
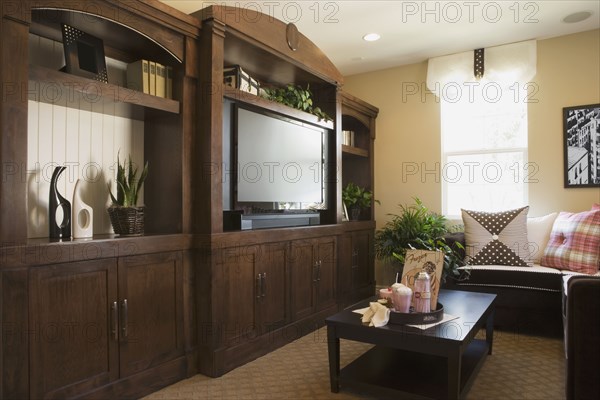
<point x="371" y="37"/>
<point x="577" y="17"/>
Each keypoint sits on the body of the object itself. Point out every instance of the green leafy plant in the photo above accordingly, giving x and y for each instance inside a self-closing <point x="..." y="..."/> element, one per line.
<point x="356" y="196"/>
<point x="415" y="227"/>
<point x="296" y="97"/>
<point x="128" y="184"/>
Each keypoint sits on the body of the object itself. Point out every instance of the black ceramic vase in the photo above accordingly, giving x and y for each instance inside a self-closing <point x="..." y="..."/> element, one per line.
<point x="58" y="229"/>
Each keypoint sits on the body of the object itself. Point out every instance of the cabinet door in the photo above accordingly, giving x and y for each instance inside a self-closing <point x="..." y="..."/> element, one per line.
<point x="325" y="285"/>
<point x="303" y="277"/>
<point x="72" y="347"/>
<point x="273" y="304"/>
<point x="236" y="275"/>
<point x="150" y="310"/>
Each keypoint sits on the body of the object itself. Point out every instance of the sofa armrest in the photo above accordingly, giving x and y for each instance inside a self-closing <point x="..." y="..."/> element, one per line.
<point x="582" y="338"/>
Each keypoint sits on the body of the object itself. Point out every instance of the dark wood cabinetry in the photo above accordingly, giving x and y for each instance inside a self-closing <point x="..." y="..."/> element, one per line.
<point x="313" y="274"/>
<point x="252" y="283"/>
<point x="74" y="344"/>
<point x="116" y="317"/>
<point x="356" y="277"/>
<point x="107" y="317"/>
<point x="358" y="157"/>
<point x="100" y="321"/>
<point x="356" y="254"/>
<point x="150" y="308"/>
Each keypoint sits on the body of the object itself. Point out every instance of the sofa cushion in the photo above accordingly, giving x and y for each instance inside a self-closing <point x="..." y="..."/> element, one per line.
<point x="538" y="234"/>
<point x="574" y="242"/>
<point x="498" y="238"/>
<point x="535" y="277"/>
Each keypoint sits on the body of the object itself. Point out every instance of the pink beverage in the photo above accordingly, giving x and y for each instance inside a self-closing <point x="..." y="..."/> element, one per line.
<point x="422" y="293"/>
<point x="401" y="297"/>
<point x="385" y="293"/>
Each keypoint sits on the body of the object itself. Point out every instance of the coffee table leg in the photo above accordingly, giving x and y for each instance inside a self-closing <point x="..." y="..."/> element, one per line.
<point x="454" y="370"/>
<point x="333" y="347"/>
<point x="489" y="331"/>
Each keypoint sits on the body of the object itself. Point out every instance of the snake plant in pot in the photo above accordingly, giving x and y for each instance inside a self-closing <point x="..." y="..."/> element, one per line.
<point x="126" y="217"/>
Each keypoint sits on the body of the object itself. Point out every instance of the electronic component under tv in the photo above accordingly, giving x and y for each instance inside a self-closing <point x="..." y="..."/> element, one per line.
<point x="279" y="160"/>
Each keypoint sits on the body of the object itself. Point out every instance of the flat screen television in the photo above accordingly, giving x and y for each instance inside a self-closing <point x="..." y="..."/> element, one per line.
<point x="278" y="159"/>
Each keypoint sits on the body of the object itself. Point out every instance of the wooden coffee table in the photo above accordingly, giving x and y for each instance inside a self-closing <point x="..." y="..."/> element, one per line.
<point x="440" y="362"/>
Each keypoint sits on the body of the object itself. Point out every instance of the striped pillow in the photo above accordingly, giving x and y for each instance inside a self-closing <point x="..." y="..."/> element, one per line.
<point x="574" y="242"/>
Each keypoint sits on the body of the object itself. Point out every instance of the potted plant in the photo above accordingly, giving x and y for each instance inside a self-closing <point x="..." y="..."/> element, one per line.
<point x="296" y="97"/>
<point x="126" y="217"/>
<point x="356" y="199"/>
<point x="415" y="227"/>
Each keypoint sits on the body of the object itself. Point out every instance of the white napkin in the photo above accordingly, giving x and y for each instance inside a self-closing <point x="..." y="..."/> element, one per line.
<point x="376" y="314"/>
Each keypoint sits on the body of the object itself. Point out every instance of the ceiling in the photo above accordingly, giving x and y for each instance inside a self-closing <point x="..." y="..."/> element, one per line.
<point x="413" y="31"/>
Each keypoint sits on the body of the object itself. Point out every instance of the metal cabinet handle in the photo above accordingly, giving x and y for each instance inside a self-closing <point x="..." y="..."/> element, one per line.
<point x="259" y="284"/>
<point x="264" y="284"/>
<point x="319" y="270"/>
<point x="124" y="318"/>
<point x="115" y="321"/>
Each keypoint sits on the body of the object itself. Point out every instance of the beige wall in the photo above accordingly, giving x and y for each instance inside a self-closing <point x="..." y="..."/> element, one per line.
<point x="408" y="128"/>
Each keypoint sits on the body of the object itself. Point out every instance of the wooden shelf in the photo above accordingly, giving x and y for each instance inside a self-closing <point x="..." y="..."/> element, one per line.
<point x="356" y="151"/>
<point x="57" y="87"/>
<point x="248" y="98"/>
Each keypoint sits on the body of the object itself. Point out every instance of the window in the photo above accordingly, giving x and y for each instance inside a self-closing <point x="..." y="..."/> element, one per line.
<point x="484" y="148"/>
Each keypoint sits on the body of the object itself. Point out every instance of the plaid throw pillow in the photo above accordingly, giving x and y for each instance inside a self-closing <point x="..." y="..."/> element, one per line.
<point x="498" y="238"/>
<point x="574" y="242"/>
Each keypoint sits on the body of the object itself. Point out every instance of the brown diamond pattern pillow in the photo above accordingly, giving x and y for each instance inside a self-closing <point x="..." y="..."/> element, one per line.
<point x="497" y="238"/>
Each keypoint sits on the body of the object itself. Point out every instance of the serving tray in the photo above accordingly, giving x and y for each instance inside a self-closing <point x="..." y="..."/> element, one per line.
<point x="417" y="318"/>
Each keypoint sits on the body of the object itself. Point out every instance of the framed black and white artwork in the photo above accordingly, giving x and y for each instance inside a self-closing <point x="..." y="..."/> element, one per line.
<point x="582" y="146"/>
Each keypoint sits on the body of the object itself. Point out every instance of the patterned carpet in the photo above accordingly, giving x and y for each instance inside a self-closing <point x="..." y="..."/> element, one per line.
<point x="522" y="367"/>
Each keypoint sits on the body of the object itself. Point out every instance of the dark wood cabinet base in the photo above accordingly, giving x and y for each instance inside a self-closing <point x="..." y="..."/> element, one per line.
<point x="218" y="362"/>
<point x="146" y="382"/>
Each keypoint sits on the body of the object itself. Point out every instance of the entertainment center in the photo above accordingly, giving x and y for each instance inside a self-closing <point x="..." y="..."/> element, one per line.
<point x="198" y="293"/>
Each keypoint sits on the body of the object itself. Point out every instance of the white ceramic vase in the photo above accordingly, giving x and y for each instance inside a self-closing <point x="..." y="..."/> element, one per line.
<point x="83" y="216"/>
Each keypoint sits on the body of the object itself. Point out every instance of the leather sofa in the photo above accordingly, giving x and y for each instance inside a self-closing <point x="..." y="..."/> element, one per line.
<point x="581" y="316"/>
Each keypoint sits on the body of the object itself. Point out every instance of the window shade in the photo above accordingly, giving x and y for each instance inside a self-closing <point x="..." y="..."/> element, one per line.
<point x="504" y="65"/>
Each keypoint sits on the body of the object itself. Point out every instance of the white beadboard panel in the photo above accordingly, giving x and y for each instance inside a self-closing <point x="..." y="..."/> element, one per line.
<point x="84" y="134"/>
<point x="86" y="140"/>
<point x="108" y="157"/>
<point x="44" y="161"/>
<point x="96" y="163"/>
<point x="72" y="151"/>
<point x="137" y="153"/>
<point x="35" y="210"/>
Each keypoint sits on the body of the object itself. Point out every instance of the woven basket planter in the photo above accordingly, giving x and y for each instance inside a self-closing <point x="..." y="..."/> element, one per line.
<point x="127" y="221"/>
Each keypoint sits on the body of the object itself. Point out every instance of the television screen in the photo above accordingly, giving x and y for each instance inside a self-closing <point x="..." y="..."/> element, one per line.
<point x="279" y="160"/>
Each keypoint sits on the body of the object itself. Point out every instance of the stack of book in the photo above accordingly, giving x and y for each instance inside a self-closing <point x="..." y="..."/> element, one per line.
<point x="151" y="78"/>
<point x="235" y="77"/>
<point x="348" y="138"/>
